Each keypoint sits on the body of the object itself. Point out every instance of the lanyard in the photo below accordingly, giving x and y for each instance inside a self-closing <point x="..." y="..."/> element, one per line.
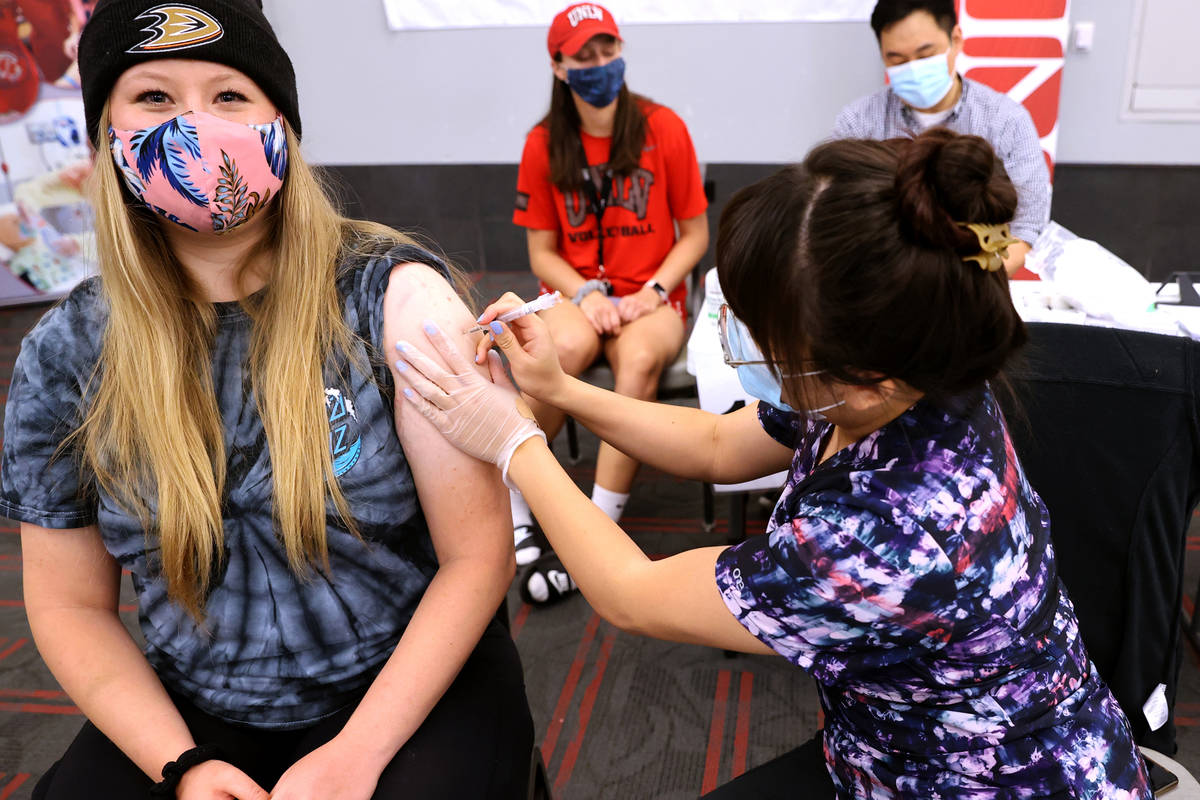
<point x="598" y="200"/>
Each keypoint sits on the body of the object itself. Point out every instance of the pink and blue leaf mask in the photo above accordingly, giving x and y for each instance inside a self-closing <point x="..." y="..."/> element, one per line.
<point x="201" y="171"/>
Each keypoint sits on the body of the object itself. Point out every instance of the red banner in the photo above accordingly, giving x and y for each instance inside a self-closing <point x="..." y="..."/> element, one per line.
<point x="1017" y="47"/>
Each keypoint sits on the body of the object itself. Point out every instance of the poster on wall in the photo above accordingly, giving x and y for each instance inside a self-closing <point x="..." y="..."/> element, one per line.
<point x="46" y="239"/>
<point x="435" y="14"/>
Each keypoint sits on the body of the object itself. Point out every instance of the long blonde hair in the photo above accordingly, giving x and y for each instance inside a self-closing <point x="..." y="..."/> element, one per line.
<point x="152" y="433"/>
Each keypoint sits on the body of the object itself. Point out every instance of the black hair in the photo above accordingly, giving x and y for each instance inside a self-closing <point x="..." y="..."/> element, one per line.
<point x="852" y="263"/>
<point x="889" y="12"/>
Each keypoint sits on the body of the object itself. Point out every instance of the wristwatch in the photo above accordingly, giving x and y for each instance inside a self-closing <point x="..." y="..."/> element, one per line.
<point x="594" y="285"/>
<point x="663" y="294"/>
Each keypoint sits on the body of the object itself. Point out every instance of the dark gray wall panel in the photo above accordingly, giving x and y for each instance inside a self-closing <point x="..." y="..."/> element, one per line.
<point x="1148" y="215"/>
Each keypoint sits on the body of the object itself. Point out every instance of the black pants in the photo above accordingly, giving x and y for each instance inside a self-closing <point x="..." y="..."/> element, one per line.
<point x="801" y="773"/>
<point x="476" y="743"/>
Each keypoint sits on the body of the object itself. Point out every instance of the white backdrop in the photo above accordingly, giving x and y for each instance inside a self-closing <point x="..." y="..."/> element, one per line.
<point x="434" y="14"/>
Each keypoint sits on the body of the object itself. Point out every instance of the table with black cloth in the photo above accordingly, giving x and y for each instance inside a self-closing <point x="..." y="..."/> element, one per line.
<point x="1106" y="424"/>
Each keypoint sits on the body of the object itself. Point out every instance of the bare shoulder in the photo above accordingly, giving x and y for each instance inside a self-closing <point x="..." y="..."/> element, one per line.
<point x="416" y="281"/>
<point x="418" y="293"/>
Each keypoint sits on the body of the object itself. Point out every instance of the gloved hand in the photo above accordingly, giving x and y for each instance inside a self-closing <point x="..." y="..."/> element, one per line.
<point x="486" y="420"/>
<point x="528" y="347"/>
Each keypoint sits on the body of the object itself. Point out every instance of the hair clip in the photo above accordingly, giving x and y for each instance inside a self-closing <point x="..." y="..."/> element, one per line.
<point x="993" y="244"/>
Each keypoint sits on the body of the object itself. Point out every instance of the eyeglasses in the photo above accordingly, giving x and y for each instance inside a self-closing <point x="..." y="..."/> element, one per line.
<point x="737" y="345"/>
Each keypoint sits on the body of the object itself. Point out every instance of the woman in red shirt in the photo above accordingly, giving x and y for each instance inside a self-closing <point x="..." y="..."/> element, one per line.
<point x="605" y="179"/>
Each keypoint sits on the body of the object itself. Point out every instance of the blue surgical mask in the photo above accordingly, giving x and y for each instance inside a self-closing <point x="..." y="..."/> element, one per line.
<point x="757" y="378"/>
<point x="922" y="83"/>
<point x="598" y="86"/>
<point x="760" y="383"/>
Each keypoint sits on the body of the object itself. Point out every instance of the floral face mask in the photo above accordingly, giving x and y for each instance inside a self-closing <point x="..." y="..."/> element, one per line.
<point x="203" y="172"/>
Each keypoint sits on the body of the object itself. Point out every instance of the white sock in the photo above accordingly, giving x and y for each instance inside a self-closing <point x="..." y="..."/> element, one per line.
<point x="521" y="515"/>
<point x="611" y="503"/>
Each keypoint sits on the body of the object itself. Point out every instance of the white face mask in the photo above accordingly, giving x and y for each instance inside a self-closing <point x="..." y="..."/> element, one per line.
<point x="923" y="82"/>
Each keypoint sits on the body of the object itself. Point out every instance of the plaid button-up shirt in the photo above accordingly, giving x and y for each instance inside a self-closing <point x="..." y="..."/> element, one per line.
<point x="981" y="111"/>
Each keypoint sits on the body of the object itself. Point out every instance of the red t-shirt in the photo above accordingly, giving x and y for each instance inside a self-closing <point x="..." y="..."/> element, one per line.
<point x="639" y="218"/>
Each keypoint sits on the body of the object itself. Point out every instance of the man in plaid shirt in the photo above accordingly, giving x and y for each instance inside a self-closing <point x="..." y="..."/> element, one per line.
<point x="920" y="40"/>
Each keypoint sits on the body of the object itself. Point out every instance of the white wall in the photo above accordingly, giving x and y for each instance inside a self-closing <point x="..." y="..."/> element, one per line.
<point x="749" y="93"/>
<point x="1092" y="131"/>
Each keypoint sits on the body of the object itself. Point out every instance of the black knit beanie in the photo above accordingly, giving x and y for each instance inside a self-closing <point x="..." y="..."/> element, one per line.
<point x="122" y="33"/>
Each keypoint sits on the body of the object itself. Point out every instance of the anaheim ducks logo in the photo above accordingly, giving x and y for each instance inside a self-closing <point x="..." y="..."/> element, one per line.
<point x="177" y="27"/>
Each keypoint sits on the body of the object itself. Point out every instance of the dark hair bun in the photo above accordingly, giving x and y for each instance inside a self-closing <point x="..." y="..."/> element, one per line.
<point x="943" y="178"/>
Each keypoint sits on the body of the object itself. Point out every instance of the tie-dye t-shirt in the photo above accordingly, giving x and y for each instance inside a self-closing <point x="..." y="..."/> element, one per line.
<point x="280" y="650"/>
<point x="912" y="574"/>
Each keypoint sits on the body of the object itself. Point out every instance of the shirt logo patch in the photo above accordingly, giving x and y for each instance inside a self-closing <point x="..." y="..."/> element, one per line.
<point x="345" y="444"/>
<point x="522" y="201"/>
<point x="177" y="27"/>
<point x="630" y="193"/>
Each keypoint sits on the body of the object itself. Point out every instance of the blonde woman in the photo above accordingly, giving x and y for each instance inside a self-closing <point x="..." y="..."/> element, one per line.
<point x="317" y="571"/>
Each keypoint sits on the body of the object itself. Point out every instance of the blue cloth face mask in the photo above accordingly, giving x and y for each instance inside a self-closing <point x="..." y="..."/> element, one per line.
<point x="922" y="83"/>
<point x="598" y="86"/>
<point x="756" y="376"/>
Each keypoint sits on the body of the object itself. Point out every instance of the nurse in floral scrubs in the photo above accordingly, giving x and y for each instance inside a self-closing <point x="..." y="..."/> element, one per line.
<point x="908" y="564"/>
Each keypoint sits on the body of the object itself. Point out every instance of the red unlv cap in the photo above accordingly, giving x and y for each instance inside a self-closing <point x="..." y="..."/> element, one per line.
<point x="575" y="24"/>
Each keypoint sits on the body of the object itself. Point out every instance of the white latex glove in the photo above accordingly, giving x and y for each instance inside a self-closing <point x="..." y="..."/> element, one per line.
<point x="486" y="420"/>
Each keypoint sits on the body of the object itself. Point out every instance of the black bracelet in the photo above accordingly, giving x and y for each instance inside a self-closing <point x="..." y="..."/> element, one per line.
<point x="659" y="289"/>
<point x="173" y="770"/>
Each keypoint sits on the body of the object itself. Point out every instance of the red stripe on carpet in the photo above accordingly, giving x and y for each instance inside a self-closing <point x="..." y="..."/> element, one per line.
<point x="716" y="733"/>
<point x="15" y="784"/>
<point x="519" y="620"/>
<point x="741" y="734"/>
<point x="38" y="708"/>
<point x="669" y="522"/>
<point x="1189" y="607"/>
<point x="35" y="694"/>
<point x="585" y="713"/>
<point x="14" y="647"/>
<point x="568" y="690"/>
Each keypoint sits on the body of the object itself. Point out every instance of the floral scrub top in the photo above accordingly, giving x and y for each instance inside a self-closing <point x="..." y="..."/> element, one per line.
<point x="912" y="574"/>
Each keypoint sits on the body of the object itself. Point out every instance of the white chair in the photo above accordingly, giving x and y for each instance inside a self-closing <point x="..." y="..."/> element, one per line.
<point x="1186" y="789"/>
<point x="720" y="392"/>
